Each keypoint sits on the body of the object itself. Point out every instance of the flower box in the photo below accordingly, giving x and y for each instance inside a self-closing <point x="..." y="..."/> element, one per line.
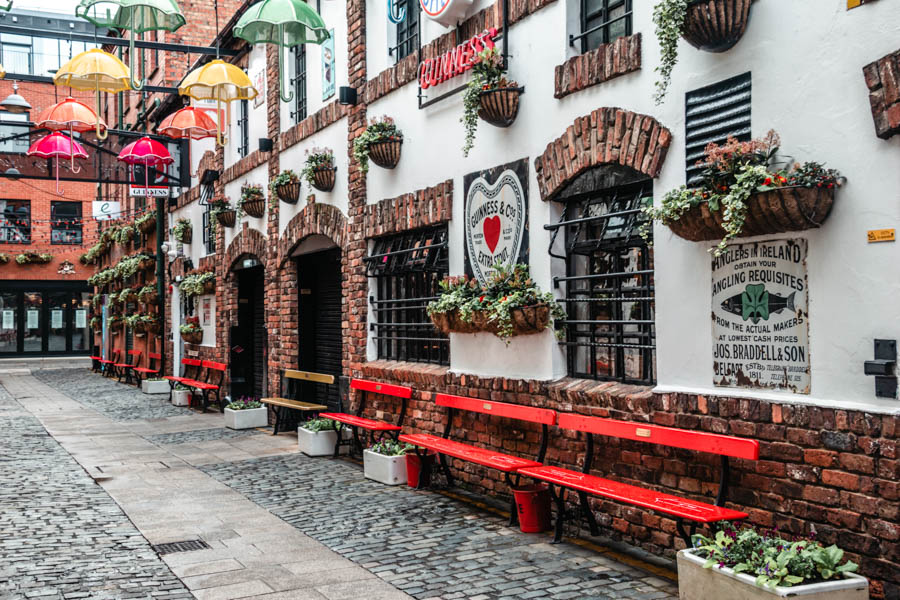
<point x="289" y="193"/>
<point x="774" y="211"/>
<point x="526" y="320"/>
<point x="227" y="217"/>
<point x="181" y="397"/>
<point x="389" y="470"/>
<point x="385" y="154"/>
<point x="147" y="225"/>
<point x="715" y="25"/>
<point x="323" y="178"/>
<point x="499" y="106"/>
<point x="697" y="583"/>
<point x="320" y="443"/>
<point x="155" y="387"/>
<point x="248" y="418"/>
<point x="193" y="337"/>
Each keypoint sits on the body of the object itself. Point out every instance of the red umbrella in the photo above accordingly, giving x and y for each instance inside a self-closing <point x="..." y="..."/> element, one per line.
<point x="188" y="122"/>
<point x="71" y="115"/>
<point x="55" y="145"/>
<point x="146" y="152"/>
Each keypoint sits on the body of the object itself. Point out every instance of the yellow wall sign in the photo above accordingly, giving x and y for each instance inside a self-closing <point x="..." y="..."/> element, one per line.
<point x="881" y="235"/>
<point x="855" y="3"/>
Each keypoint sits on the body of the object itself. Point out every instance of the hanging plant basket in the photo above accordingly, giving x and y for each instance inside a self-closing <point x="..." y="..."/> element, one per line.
<point x="526" y="320"/>
<point x="151" y="298"/>
<point x="193" y="337"/>
<point x="715" y="25"/>
<point x="500" y="106"/>
<point x="289" y="193"/>
<point x="129" y="296"/>
<point x="151" y="326"/>
<point x="148" y="264"/>
<point x="187" y="235"/>
<point x="147" y="225"/>
<point x="227" y="217"/>
<point x="385" y="154"/>
<point x="323" y="178"/>
<point x="255" y="208"/>
<point x="209" y="286"/>
<point x="773" y="211"/>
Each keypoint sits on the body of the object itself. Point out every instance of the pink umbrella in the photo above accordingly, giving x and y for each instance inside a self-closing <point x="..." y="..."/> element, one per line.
<point x="146" y="152"/>
<point x="55" y="145"/>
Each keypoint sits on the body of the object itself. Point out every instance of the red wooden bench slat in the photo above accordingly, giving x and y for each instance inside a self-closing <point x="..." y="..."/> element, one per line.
<point x="203" y="386"/>
<point x="146" y="370"/>
<point x="191" y="362"/>
<point x="138" y="352"/>
<point x="666" y="436"/>
<point x="361" y="422"/>
<point x="176" y="378"/>
<point x="481" y="456"/>
<point x="381" y="388"/>
<point x="614" y="490"/>
<point x="155" y="356"/>
<point x="208" y="364"/>
<point x="544" y="416"/>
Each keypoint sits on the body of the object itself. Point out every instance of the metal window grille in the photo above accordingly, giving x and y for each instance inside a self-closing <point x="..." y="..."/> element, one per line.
<point x="65" y="223"/>
<point x="407" y="30"/>
<point x="610" y="331"/>
<point x="406" y="269"/>
<point x="209" y="226"/>
<point x="602" y="21"/>
<point x="243" y="129"/>
<point x="300" y="101"/>
<point x="713" y="114"/>
<point x="11" y="139"/>
<point x="15" y="222"/>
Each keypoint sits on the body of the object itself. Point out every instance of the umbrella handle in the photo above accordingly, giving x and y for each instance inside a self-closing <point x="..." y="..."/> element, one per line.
<point x="75" y="170"/>
<point x="59" y="192"/>
<point x="135" y="85"/>
<point x="220" y="134"/>
<point x="281" y="50"/>
<point x="101" y="135"/>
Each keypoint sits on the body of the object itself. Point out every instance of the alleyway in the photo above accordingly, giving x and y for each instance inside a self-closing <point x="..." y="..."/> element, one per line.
<point x="277" y="524"/>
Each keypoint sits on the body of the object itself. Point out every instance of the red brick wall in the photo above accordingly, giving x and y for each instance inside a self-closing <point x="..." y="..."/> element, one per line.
<point x="883" y="81"/>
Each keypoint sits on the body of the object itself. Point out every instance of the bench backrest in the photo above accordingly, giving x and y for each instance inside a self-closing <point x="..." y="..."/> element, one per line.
<point x="191" y="362"/>
<point x="308" y="376"/>
<point x="135" y="357"/>
<point x="544" y="416"/>
<point x="387" y="389"/>
<point x="666" y="436"/>
<point x="216" y="366"/>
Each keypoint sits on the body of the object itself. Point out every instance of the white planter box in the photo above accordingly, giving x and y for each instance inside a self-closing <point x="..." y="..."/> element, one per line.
<point x="697" y="583"/>
<point x="320" y="443"/>
<point x="390" y="470"/>
<point x="247" y="418"/>
<point x="181" y="397"/>
<point x="155" y="387"/>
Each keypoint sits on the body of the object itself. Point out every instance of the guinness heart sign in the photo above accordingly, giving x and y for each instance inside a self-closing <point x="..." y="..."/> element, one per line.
<point x="494" y="223"/>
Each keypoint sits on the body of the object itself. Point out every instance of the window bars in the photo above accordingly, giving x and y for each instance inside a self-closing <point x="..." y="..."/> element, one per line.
<point x="407" y="268"/>
<point x="243" y="147"/>
<point x="610" y="332"/>
<point x="209" y="226"/>
<point x="407" y="30"/>
<point x="602" y="21"/>
<point x="15" y="222"/>
<point x="299" y="112"/>
<point x="713" y="114"/>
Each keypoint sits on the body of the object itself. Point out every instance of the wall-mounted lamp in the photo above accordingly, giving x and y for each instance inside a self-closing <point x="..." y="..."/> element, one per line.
<point x="15" y="103"/>
<point x="347" y="96"/>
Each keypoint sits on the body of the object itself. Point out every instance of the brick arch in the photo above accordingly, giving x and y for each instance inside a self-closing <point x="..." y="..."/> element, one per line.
<point x="606" y="136"/>
<point x="248" y="241"/>
<point x="315" y="218"/>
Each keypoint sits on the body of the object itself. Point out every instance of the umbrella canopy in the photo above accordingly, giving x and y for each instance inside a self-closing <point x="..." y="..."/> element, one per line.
<point x="147" y="152"/>
<point x="137" y="16"/>
<point x="55" y="145"/>
<point x="220" y="81"/>
<point x="286" y="23"/>
<point x="69" y="115"/>
<point x="188" y="122"/>
<point x="95" y="70"/>
<point x="2" y="72"/>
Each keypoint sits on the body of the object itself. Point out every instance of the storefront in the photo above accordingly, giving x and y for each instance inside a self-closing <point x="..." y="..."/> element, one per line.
<point x="44" y="318"/>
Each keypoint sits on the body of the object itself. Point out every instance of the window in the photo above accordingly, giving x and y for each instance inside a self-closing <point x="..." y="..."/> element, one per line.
<point x="407" y="30"/>
<point x="602" y="21"/>
<point x="65" y="222"/>
<point x="406" y="269"/>
<point x="209" y="225"/>
<point x="609" y="290"/>
<point x="712" y="114"/>
<point x="15" y="222"/>
<point x="17" y="56"/>
<point x="9" y="142"/>
<point x="243" y="129"/>
<point x="299" y="110"/>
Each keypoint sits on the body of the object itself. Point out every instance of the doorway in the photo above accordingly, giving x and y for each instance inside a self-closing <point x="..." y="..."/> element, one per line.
<point x="248" y="341"/>
<point x="37" y="318"/>
<point x="320" y="342"/>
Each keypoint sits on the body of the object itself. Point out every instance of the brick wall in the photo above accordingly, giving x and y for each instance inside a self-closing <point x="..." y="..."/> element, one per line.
<point x="596" y="66"/>
<point x="883" y="81"/>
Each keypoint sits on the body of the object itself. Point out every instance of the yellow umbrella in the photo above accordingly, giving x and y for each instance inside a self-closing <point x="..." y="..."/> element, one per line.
<point x="2" y="72"/>
<point x="95" y="70"/>
<point x="220" y="81"/>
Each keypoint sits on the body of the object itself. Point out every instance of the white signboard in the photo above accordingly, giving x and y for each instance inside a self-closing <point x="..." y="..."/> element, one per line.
<point x="446" y="12"/>
<point x="80" y="318"/>
<point x="206" y="311"/>
<point x="154" y="191"/>
<point x="760" y="317"/>
<point x="494" y="223"/>
<point x="9" y="319"/>
<point x="31" y="319"/>
<point x="104" y="210"/>
<point x="56" y="319"/>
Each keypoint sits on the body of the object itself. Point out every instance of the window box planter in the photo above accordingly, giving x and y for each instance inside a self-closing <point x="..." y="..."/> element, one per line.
<point x="248" y="418"/>
<point x="155" y="387"/>
<point x="385" y="154"/>
<point x="227" y="217"/>
<point x="389" y="470"/>
<point x="697" y="583"/>
<point x="289" y="193"/>
<point x="181" y="398"/>
<point x="147" y="224"/>
<point x="323" y="178"/>
<point x="715" y="25"/>
<point x="193" y="337"/>
<point x="526" y="320"/>
<point x="148" y="264"/>
<point x="775" y="211"/>
<point x="499" y="106"/>
<point x="320" y="443"/>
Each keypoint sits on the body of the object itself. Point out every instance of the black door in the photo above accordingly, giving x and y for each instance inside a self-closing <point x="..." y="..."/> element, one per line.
<point x="44" y="318"/>
<point x="319" y="275"/>
<point x="248" y="341"/>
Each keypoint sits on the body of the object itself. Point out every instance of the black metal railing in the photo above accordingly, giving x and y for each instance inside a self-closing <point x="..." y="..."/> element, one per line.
<point x="593" y="11"/>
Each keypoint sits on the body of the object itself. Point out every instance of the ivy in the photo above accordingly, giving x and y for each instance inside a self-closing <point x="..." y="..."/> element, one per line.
<point x="487" y="74"/>
<point x="379" y="130"/>
<point x="668" y="16"/>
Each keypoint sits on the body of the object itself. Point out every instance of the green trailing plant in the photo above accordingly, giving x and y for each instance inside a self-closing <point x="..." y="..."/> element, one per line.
<point x="773" y="560"/>
<point x="284" y="178"/>
<point x="33" y="258"/>
<point x="115" y="321"/>
<point x="190" y="325"/>
<point x="316" y="159"/>
<point x="196" y="282"/>
<point x="217" y="206"/>
<point x="4" y="258"/>
<point x="731" y="174"/>
<point x="668" y="16"/>
<point x="244" y="403"/>
<point x="96" y="323"/>
<point x="131" y="320"/>
<point x="389" y="447"/>
<point x="318" y="424"/>
<point x="144" y="220"/>
<point x="379" y="130"/>
<point x="181" y="229"/>
<point x="249" y="193"/>
<point x="96" y="300"/>
<point x="123" y="234"/>
<point x="148" y="291"/>
<point x="130" y="265"/>
<point x="103" y="277"/>
<point x="488" y="73"/>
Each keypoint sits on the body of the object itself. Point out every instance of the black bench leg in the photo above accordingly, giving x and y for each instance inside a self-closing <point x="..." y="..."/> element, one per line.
<point x="513" y="509"/>
<point x="357" y="444"/>
<point x="277" y="411"/>
<point x="446" y="469"/>
<point x="588" y="514"/>
<point x="424" y="468"/>
<point x="337" y="444"/>
<point x="560" y="500"/>
<point x="679" y="525"/>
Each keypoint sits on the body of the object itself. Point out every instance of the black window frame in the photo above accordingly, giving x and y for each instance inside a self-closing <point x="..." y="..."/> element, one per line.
<point x="300" y="107"/>
<point x="243" y="125"/>
<point x="406" y="269"/>
<point x="66" y="224"/>
<point x="6" y="228"/>
<point x="14" y="135"/>
<point x="209" y="225"/>
<point x="593" y="19"/>
<point x="408" y="33"/>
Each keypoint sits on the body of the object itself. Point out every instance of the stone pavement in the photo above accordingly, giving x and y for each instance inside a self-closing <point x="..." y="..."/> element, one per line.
<point x="279" y="524"/>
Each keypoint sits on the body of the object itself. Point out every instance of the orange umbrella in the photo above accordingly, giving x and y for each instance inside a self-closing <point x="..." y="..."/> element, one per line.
<point x="188" y="122"/>
<point x="71" y="115"/>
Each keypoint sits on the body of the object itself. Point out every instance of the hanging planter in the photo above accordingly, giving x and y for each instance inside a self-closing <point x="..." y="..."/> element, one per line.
<point x="223" y="213"/>
<point x="525" y="320"/>
<point x="381" y="141"/>
<point x="33" y="258"/>
<point x="499" y="106"/>
<point x="286" y="186"/>
<point x="489" y="96"/>
<point x="146" y="223"/>
<point x="323" y="178"/>
<point x="715" y="25"/>
<point x="386" y="154"/>
<point x="198" y="282"/>
<point x="148" y="263"/>
<point x="183" y="231"/>
<point x="148" y="294"/>
<point x="319" y="169"/>
<point x="191" y="332"/>
<point x="252" y="201"/>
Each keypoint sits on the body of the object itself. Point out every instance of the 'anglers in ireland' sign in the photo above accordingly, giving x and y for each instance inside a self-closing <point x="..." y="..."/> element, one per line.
<point x="760" y="319"/>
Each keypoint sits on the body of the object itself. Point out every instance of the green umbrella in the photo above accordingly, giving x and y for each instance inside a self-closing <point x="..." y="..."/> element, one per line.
<point x="286" y="23"/>
<point x="6" y="5"/>
<point x="137" y="16"/>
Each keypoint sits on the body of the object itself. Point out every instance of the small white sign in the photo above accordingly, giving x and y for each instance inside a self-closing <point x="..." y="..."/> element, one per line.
<point x="206" y="312"/>
<point x="9" y="319"/>
<point x="80" y="318"/>
<point x="154" y="191"/>
<point x="56" y="319"/>
<point x="104" y="210"/>
<point x="31" y="319"/>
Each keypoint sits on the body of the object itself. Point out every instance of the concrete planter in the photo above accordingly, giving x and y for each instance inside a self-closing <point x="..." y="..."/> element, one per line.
<point x="247" y="418"/>
<point x="389" y="470"/>
<point x="697" y="583"/>
<point x="155" y="387"/>
<point x="181" y="397"/>
<point x="320" y="443"/>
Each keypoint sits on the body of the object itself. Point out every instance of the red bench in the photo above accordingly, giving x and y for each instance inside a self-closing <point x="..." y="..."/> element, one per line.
<point x="357" y="421"/>
<point x="508" y="464"/>
<point x="108" y="366"/>
<point x="124" y="369"/>
<point x="681" y="508"/>
<point x="207" y="388"/>
<point x="141" y="372"/>
<point x="188" y="364"/>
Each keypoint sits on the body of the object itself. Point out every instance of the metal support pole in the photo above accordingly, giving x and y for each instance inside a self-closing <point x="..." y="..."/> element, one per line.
<point x="161" y="281"/>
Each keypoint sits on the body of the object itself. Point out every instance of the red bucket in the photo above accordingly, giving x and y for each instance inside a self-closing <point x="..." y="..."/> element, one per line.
<point x="414" y="468"/>
<point x="533" y="506"/>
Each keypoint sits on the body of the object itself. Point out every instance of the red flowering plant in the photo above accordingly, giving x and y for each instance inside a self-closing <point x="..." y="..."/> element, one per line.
<point x="488" y="73"/>
<point x="191" y="325"/>
<point x="732" y="173"/>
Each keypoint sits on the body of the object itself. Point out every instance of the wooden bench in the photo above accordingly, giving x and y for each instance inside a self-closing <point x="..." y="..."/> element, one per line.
<point x="124" y="369"/>
<point x="188" y="364"/>
<point x="108" y="366"/>
<point x="508" y="464"/>
<point x="141" y="372"/>
<point x="682" y="509"/>
<point x="294" y="378"/>
<point x="357" y="422"/>
<point x="207" y="388"/>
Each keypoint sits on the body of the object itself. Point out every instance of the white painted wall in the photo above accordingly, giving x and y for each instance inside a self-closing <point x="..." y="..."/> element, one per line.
<point x="258" y="176"/>
<point x="256" y="116"/>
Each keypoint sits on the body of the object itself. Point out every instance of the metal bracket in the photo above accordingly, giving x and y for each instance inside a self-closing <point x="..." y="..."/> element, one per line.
<point x="883" y="368"/>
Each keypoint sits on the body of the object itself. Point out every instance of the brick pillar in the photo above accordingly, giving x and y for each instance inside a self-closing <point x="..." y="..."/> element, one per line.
<point x="273" y="297"/>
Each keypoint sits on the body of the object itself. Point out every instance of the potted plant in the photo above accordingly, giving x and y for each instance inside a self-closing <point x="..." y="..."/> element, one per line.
<point x="181" y="395"/>
<point x="286" y="186"/>
<point x="146" y="222"/>
<point x="489" y="95"/>
<point x="319" y="170"/>
<point x="222" y="212"/>
<point x="744" y="562"/>
<point x="252" y="201"/>
<point x="386" y="462"/>
<point x="155" y="386"/>
<point x="183" y="231"/>
<point x="96" y="324"/>
<point x="115" y="323"/>
<point x="317" y="437"/>
<point x="191" y="331"/>
<point x="246" y="413"/>
<point x="127" y="295"/>
<point x="381" y="141"/>
<point x="133" y="323"/>
<point x="122" y="234"/>
<point x="711" y="25"/>
<point x="33" y="258"/>
<point x="4" y="258"/>
<point x="198" y="282"/>
<point x="148" y="294"/>
<point x="510" y="304"/>
<point x="147" y="323"/>
<point x="744" y="192"/>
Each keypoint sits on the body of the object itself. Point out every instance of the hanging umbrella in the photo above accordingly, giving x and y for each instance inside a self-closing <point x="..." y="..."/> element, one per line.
<point x="188" y="123"/>
<point x="285" y="23"/>
<point x="2" y="72"/>
<point x="95" y="70"/>
<point x="220" y="81"/>
<point x="6" y="5"/>
<point x="70" y="115"/>
<point x="55" y="145"/>
<point x="148" y="153"/>
<point x="137" y="16"/>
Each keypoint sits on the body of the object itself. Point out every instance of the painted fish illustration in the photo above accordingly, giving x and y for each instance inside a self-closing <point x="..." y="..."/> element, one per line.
<point x="756" y="303"/>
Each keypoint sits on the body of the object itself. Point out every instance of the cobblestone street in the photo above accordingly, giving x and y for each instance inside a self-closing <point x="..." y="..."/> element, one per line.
<point x="277" y="523"/>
